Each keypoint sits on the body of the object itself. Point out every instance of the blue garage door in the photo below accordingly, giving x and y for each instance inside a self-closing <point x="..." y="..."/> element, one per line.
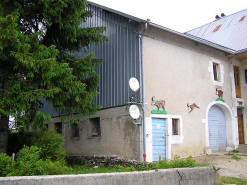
<point x="159" y="138"/>
<point x="217" y="129"/>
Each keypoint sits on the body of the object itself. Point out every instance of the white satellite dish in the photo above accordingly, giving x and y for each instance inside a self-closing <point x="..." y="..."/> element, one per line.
<point x="134" y="112"/>
<point x="134" y="84"/>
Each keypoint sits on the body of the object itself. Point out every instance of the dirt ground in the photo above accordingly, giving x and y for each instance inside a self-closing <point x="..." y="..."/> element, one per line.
<point x="228" y="166"/>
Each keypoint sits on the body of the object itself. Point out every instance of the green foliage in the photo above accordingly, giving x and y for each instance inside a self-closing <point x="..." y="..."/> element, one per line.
<point x="232" y="180"/>
<point x="5" y="163"/>
<point x="50" y="144"/>
<point x="29" y="162"/>
<point x="37" y="42"/>
<point x="177" y="162"/>
<point x="236" y="157"/>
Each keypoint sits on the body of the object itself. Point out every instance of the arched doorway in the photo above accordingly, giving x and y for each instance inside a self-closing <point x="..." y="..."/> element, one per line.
<point x="217" y="129"/>
<point x="231" y="126"/>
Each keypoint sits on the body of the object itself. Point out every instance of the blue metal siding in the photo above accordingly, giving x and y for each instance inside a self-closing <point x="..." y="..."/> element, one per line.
<point x="120" y="54"/>
<point x="217" y="129"/>
<point x="121" y="58"/>
<point x="159" y="138"/>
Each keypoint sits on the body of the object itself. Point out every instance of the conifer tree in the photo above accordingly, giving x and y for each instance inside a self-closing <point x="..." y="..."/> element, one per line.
<point x="37" y="42"/>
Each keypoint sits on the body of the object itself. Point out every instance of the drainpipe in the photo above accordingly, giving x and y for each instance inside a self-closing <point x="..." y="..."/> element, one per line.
<point x="143" y="94"/>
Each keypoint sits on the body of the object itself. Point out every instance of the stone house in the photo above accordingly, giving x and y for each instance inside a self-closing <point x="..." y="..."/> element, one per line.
<point x="180" y="68"/>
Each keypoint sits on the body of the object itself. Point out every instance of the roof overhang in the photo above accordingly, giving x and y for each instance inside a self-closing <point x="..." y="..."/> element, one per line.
<point x="191" y="37"/>
<point x="116" y="12"/>
<point x="241" y="56"/>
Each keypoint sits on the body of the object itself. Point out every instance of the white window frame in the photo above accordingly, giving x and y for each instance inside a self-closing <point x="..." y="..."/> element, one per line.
<point x="220" y="80"/>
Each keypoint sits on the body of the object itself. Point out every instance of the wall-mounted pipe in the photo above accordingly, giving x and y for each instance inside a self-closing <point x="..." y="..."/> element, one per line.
<point x="143" y="93"/>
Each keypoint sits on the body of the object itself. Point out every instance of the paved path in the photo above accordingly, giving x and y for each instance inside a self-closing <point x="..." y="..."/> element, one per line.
<point x="228" y="165"/>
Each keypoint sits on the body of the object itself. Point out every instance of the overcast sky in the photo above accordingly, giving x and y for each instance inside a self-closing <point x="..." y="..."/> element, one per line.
<point x="179" y="15"/>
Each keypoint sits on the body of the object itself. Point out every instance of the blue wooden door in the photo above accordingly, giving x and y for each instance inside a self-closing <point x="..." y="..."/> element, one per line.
<point x="217" y="129"/>
<point x="159" y="138"/>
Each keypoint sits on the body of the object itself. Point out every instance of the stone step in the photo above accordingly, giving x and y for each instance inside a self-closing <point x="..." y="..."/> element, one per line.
<point x="242" y="148"/>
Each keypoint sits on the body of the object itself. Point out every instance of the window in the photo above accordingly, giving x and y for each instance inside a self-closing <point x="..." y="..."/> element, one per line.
<point x="245" y="72"/>
<point x="174" y="126"/>
<point x="74" y="130"/>
<point x="216" y="71"/>
<point x="237" y="81"/>
<point x="95" y="130"/>
<point x="58" y="127"/>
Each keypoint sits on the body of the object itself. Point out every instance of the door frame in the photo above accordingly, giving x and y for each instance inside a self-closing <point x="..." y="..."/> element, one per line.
<point x="170" y="139"/>
<point x="242" y="117"/>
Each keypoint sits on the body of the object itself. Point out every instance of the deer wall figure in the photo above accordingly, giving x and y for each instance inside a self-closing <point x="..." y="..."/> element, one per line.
<point x="192" y="106"/>
<point x="158" y="103"/>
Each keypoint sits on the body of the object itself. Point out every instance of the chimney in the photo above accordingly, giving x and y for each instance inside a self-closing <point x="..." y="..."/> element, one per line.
<point x="217" y="17"/>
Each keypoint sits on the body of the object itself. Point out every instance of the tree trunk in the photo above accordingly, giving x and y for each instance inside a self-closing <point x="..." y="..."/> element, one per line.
<point x="4" y="121"/>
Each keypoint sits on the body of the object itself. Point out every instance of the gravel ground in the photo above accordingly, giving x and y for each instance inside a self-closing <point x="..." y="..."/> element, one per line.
<point x="228" y="166"/>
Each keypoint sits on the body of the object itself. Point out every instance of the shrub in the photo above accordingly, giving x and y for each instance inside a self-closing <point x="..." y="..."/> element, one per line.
<point x="29" y="162"/>
<point x="50" y="144"/>
<point x="5" y="163"/>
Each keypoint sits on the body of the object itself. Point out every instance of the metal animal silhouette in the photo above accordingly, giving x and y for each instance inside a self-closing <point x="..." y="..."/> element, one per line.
<point x="240" y="103"/>
<point x="158" y="103"/>
<point x="220" y="93"/>
<point x="192" y="106"/>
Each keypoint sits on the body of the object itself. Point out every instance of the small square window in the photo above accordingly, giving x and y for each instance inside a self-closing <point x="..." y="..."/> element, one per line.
<point x="95" y="130"/>
<point x="245" y="74"/>
<point x="174" y="126"/>
<point x="74" y="130"/>
<point x="216" y="71"/>
<point x="58" y="127"/>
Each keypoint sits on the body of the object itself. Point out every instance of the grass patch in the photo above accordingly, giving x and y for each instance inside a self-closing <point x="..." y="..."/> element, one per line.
<point x="232" y="180"/>
<point x="235" y="151"/>
<point x="236" y="157"/>
<point x="28" y="162"/>
<point x="177" y="162"/>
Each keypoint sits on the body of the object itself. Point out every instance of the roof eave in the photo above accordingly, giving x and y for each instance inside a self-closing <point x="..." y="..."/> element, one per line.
<point x="241" y="51"/>
<point x="191" y="37"/>
<point x="116" y="12"/>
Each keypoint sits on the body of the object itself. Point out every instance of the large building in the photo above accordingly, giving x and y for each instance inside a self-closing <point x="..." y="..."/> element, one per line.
<point x="180" y="68"/>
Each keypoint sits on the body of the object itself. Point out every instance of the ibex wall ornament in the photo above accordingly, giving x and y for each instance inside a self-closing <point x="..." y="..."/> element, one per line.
<point x="158" y="103"/>
<point x="220" y="93"/>
<point x="240" y="103"/>
<point x="192" y="106"/>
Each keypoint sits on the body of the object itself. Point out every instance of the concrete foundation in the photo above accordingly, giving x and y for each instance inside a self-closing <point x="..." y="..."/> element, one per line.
<point x="179" y="176"/>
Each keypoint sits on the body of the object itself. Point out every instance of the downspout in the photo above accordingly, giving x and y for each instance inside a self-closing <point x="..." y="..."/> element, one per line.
<point x="143" y="94"/>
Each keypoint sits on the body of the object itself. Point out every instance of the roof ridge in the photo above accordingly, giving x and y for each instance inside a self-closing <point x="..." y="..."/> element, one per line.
<point x="226" y="16"/>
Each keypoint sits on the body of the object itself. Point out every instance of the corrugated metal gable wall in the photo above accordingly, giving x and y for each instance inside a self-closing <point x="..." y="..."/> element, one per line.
<point x="120" y="54"/>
